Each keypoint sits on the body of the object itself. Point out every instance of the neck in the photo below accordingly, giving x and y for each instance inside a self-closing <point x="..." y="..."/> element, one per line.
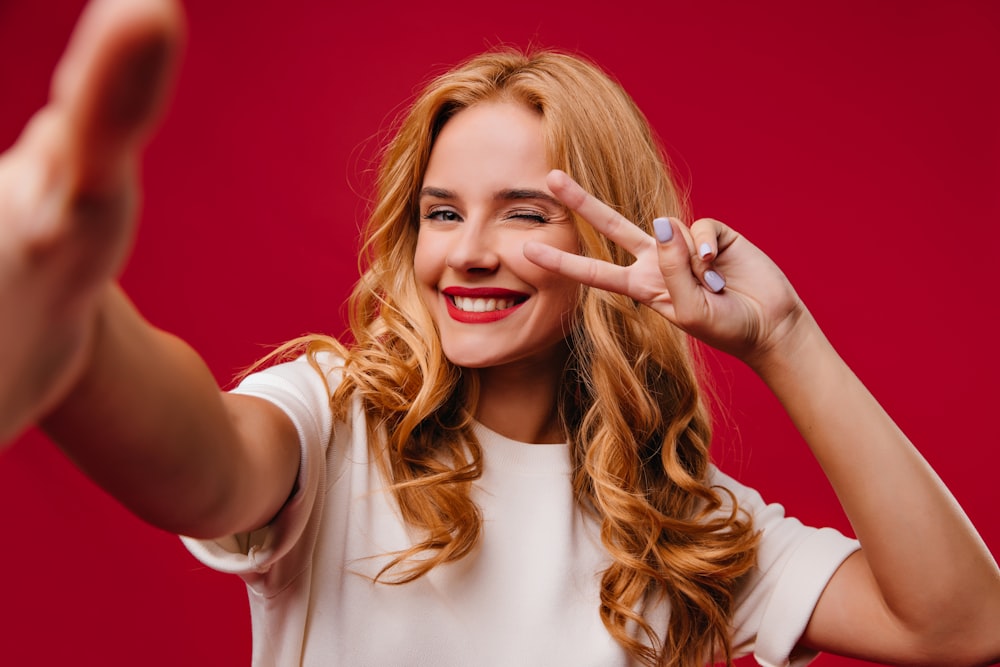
<point x="520" y="403"/>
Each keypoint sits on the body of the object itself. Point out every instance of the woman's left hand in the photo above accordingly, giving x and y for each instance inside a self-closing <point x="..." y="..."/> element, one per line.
<point x="707" y="279"/>
<point x="877" y="605"/>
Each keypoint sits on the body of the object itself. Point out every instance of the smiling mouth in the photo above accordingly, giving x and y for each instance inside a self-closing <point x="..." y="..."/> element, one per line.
<point x="482" y="306"/>
<point x="469" y="304"/>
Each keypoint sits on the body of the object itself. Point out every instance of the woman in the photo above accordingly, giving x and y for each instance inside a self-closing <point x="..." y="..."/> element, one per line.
<point x="473" y="337"/>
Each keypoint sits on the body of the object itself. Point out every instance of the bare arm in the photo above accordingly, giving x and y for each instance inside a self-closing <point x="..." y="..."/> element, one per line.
<point x="147" y="422"/>
<point x="136" y="408"/>
<point x="924" y="589"/>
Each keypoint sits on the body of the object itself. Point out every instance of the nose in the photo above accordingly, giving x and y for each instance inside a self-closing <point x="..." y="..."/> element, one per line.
<point x="473" y="248"/>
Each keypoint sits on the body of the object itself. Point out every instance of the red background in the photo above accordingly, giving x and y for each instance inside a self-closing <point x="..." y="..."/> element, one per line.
<point x="859" y="144"/>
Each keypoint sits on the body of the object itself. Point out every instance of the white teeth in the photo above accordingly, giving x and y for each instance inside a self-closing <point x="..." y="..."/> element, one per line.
<point x="472" y="305"/>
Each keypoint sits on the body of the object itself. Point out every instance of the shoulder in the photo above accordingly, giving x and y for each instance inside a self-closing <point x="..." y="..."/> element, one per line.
<point x="307" y="372"/>
<point x="302" y="389"/>
<point x="794" y="563"/>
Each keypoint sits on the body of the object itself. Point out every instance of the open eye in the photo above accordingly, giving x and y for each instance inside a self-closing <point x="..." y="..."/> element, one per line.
<point x="442" y="214"/>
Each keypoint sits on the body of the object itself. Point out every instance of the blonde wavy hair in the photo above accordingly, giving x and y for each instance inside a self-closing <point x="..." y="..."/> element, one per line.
<point x="630" y="402"/>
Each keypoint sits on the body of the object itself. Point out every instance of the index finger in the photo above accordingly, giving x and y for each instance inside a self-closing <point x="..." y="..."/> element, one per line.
<point x="601" y="217"/>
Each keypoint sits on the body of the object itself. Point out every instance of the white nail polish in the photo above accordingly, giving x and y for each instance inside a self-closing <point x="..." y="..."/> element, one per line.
<point x="704" y="250"/>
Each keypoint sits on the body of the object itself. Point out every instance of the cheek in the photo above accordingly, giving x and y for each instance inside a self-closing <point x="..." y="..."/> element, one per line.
<point x="564" y="289"/>
<point x="425" y="264"/>
<point x="561" y="293"/>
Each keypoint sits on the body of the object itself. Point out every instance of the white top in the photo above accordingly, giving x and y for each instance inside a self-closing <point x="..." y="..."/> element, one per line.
<point x="527" y="595"/>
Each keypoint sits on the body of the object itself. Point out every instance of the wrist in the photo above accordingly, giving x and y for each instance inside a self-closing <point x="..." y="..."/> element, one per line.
<point x="794" y="349"/>
<point x="78" y="382"/>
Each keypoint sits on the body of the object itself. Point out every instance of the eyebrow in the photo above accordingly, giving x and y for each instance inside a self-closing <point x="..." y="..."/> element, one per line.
<point x="512" y="194"/>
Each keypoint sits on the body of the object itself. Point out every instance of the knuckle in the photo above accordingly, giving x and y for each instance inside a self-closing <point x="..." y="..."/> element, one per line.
<point x="575" y="198"/>
<point x="674" y="259"/>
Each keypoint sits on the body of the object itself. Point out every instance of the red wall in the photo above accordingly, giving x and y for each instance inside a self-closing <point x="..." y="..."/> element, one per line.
<point x="858" y="143"/>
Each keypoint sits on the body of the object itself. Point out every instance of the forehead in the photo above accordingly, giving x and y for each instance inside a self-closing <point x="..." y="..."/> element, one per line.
<point x="494" y="144"/>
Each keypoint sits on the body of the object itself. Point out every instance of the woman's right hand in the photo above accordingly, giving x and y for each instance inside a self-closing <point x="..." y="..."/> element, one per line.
<point x="69" y="195"/>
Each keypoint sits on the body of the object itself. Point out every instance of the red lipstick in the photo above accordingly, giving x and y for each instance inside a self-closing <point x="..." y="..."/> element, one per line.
<point x="480" y="305"/>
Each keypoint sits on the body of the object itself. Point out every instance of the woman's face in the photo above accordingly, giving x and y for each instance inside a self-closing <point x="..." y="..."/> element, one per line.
<point x="483" y="197"/>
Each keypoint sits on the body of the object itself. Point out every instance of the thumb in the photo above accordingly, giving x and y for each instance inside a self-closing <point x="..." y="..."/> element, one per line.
<point x="113" y="81"/>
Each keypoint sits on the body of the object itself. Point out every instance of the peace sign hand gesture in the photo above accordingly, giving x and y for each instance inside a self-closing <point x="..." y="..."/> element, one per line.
<point x="707" y="279"/>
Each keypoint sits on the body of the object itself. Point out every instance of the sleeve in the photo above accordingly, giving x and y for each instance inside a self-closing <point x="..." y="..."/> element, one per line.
<point x="302" y="391"/>
<point x="794" y="564"/>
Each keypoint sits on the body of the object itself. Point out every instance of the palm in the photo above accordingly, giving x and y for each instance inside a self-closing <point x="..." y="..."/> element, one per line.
<point x="756" y="301"/>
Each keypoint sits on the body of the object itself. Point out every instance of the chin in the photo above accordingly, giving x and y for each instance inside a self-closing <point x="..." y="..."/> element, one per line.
<point x="472" y="361"/>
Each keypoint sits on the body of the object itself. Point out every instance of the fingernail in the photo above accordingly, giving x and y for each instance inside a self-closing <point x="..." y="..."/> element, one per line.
<point x="714" y="281"/>
<point x="664" y="232"/>
<point x="704" y="250"/>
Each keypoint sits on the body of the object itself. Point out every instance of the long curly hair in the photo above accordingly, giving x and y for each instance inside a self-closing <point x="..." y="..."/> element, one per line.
<point x="630" y="403"/>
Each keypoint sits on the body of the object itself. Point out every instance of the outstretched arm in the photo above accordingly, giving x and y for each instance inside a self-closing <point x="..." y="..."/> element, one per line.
<point x="136" y="408"/>
<point x="924" y="589"/>
<point x="68" y="196"/>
